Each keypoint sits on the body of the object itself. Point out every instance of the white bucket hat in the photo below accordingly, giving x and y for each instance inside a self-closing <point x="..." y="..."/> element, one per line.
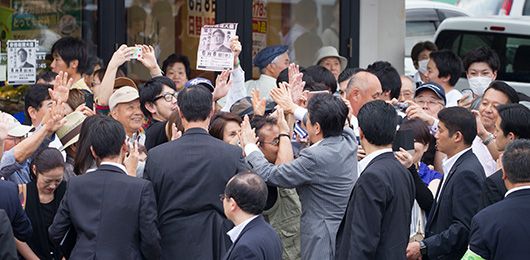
<point x="330" y="51"/>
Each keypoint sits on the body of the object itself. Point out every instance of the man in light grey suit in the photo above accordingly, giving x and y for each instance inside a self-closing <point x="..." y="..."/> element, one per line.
<point x="323" y="174"/>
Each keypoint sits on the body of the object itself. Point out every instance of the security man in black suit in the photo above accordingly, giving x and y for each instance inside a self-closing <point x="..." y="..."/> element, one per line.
<point x="501" y="230"/>
<point x="114" y="214"/>
<point x="457" y="198"/>
<point x="188" y="174"/>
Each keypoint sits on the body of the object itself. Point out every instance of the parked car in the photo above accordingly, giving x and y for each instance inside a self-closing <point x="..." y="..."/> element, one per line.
<point x="496" y="7"/>
<point x="508" y="36"/>
<point x="422" y="20"/>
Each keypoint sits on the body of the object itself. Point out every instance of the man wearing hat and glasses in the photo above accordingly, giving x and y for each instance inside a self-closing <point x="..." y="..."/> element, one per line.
<point x="270" y="62"/>
<point x="18" y="150"/>
<point x="429" y="99"/>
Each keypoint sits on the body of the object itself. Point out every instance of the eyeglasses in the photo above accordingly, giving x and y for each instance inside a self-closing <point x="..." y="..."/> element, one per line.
<point x="275" y="141"/>
<point x="167" y="97"/>
<point x="222" y="196"/>
<point x="429" y="102"/>
<point x="93" y="84"/>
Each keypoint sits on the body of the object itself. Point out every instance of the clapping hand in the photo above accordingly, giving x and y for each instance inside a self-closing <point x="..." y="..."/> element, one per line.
<point x="61" y="87"/>
<point x="295" y="82"/>
<point x="282" y="97"/>
<point x="247" y="134"/>
<point x="257" y="104"/>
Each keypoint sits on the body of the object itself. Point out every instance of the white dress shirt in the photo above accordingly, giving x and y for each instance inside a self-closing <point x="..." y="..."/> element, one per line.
<point x="234" y="232"/>
<point x="115" y="164"/>
<point x="447" y="164"/>
<point x="516" y="189"/>
<point x="364" y="162"/>
<point x="484" y="156"/>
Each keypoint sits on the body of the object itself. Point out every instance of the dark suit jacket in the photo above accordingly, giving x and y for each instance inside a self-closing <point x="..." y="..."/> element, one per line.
<point x="114" y="216"/>
<point x="10" y="202"/>
<point x="500" y="231"/>
<point x="447" y="229"/>
<point x="188" y="174"/>
<point x="377" y="221"/>
<point x="493" y="190"/>
<point x="8" y="251"/>
<point x="258" y="240"/>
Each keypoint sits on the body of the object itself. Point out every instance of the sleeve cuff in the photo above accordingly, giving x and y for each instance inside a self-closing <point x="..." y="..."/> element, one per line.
<point x="250" y="148"/>
<point x="434" y="127"/>
<point x="299" y="113"/>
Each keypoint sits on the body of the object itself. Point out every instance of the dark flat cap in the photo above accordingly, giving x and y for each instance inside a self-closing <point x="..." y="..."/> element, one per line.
<point x="265" y="56"/>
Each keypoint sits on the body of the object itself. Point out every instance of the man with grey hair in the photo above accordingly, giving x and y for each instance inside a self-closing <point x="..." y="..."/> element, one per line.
<point x="270" y="62"/>
<point x="124" y="105"/>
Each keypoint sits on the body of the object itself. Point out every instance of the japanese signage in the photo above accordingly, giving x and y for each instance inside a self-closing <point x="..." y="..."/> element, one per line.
<point x="259" y="27"/>
<point x="200" y="13"/>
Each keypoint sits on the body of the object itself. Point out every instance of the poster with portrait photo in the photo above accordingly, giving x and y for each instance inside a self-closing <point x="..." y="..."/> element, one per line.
<point x="214" y="53"/>
<point x="21" y="62"/>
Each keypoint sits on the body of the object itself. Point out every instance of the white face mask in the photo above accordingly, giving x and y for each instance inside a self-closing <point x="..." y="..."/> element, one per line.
<point x="422" y="66"/>
<point x="479" y="84"/>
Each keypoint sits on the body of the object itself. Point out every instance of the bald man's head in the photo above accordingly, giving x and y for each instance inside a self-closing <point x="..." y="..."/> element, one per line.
<point x="363" y="88"/>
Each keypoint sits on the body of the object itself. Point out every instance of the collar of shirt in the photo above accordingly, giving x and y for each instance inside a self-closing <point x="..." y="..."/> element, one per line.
<point x="364" y="162"/>
<point x="448" y="163"/>
<point x="315" y="144"/>
<point x="516" y="189"/>
<point x="234" y="232"/>
<point x="115" y="164"/>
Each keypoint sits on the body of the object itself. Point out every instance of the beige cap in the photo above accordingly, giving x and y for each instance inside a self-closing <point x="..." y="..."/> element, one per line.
<point x="69" y="132"/>
<point x="330" y="51"/>
<point x="14" y="128"/>
<point x="123" y="95"/>
<point x="124" y="81"/>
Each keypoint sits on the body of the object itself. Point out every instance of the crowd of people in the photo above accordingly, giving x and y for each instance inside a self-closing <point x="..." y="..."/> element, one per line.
<point x="300" y="163"/>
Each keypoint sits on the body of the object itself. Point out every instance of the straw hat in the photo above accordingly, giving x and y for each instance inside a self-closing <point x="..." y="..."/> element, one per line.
<point x="69" y="132"/>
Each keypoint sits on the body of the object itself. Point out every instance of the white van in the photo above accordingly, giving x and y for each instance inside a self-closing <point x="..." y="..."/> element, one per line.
<point x="508" y="36"/>
<point x="495" y="7"/>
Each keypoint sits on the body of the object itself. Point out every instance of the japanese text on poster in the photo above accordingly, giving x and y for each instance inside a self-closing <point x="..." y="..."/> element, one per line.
<point x="200" y="12"/>
<point x="214" y="52"/>
<point x="21" y="62"/>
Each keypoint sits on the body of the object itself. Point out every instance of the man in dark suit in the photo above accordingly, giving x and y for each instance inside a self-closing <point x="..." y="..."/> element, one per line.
<point x="500" y="231"/>
<point x="8" y="251"/>
<point x="244" y="199"/>
<point x="377" y="220"/>
<point x="188" y="174"/>
<point x="10" y="202"/>
<point x="114" y="214"/>
<point x="513" y="123"/>
<point x="457" y="198"/>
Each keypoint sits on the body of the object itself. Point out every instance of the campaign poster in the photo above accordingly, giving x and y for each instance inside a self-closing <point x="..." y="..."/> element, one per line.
<point x="21" y="62"/>
<point x="214" y="53"/>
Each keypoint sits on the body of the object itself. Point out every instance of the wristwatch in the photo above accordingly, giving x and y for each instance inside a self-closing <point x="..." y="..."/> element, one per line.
<point x="490" y="138"/>
<point x="423" y="248"/>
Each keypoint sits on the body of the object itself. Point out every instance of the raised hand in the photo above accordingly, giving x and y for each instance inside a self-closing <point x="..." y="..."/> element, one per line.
<point x="281" y="122"/>
<point x="131" y="158"/>
<point x="257" y="104"/>
<point x="148" y="59"/>
<point x="55" y="118"/>
<point x="120" y="56"/>
<point x="295" y="82"/>
<point x="247" y="134"/>
<point x="404" y="157"/>
<point x="61" y="87"/>
<point x="85" y="110"/>
<point x="222" y="85"/>
<point x="236" y="47"/>
<point x="481" y="130"/>
<point x="282" y="97"/>
<point x="416" y="111"/>
<point x="175" y="133"/>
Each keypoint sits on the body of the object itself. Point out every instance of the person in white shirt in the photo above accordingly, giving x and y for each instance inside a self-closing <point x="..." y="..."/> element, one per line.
<point x="444" y="68"/>
<point x="270" y="62"/>
<point x="244" y="199"/>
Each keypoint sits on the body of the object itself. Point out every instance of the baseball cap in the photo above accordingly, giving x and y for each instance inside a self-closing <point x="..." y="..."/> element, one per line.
<point x="123" y="95"/>
<point x="14" y="128"/>
<point x="440" y="92"/>
<point x="200" y="81"/>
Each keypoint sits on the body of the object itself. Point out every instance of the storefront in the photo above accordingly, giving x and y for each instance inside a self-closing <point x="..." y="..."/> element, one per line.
<point x="173" y="26"/>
